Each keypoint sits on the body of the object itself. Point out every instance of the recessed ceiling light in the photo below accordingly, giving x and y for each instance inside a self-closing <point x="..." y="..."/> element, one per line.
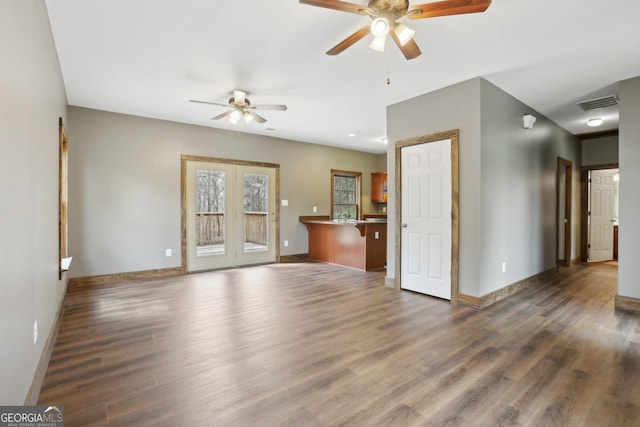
<point x="594" y="122"/>
<point x="351" y="134"/>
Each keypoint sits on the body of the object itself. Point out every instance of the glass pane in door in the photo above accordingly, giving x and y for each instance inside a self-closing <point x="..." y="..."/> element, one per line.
<point x="210" y="200"/>
<point x="256" y="206"/>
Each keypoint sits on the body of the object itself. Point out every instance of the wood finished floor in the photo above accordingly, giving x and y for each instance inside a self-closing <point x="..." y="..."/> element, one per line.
<point x="317" y="345"/>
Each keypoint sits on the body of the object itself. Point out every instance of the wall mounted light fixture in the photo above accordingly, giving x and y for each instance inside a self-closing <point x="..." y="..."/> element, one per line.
<point x="528" y="120"/>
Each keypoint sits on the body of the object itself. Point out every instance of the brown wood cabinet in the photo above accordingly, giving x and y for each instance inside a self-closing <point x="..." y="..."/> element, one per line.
<point x="379" y="187"/>
<point x="356" y="244"/>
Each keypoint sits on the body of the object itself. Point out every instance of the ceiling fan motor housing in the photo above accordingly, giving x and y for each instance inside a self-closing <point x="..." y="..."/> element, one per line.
<point x="234" y="103"/>
<point x="391" y="8"/>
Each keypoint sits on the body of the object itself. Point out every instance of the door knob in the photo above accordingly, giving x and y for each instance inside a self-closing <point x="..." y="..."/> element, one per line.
<point x="404" y="225"/>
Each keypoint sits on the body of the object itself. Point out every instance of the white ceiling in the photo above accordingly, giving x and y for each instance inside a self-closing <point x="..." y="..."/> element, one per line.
<point x="149" y="57"/>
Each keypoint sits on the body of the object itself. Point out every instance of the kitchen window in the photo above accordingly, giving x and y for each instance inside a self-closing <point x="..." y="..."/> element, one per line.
<point x="345" y="194"/>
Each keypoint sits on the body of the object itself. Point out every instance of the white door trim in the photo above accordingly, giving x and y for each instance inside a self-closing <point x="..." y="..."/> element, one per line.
<point x="564" y="206"/>
<point x="453" y="136"/>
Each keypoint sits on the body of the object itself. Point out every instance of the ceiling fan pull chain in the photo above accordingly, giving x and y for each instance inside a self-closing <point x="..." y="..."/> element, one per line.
<point x="388" y="70"/>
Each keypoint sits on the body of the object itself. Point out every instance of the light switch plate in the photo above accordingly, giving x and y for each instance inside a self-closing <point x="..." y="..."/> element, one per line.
<point x="285" y="202"/>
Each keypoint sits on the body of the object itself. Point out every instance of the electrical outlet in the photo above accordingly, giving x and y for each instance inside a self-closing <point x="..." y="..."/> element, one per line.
<point x="384" y="209"/>
<point x="168" y="252"/>
<point x="285" y="202"/>
<point x="315" y="209"/>
<point x="35" y="332"/>
<point x="376" y="235"/>
<point x="286" y="243"/>
<point x="504" y="267"/>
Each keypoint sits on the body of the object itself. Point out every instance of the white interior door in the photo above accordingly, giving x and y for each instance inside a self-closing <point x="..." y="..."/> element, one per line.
<point x="426" y="218"/>
<point x="601" y="220"/>
<point x="230" y="215"/>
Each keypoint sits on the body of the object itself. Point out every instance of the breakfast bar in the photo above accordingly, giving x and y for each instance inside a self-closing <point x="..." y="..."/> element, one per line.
<point x="360" y="244"/>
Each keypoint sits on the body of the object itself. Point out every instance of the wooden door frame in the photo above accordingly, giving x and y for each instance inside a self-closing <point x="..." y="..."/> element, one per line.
<point x="565" y="166"/>
<point x="183" y="198"/>
<point x="584" y="206"/>
<point x="452" y="135"/>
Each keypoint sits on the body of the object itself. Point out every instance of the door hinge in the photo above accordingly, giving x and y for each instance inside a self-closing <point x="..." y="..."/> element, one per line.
<point x="589" y="246"/>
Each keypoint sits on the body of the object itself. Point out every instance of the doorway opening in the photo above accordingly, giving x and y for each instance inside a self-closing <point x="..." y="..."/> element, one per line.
<point x="599" y="228"/>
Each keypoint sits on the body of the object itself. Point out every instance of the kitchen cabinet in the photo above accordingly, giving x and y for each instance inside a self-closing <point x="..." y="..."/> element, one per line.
<point x="355" y="244"/>
<point x="379" y="187"/>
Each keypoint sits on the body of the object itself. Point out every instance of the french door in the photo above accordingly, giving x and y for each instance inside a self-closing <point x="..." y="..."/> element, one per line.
<point x="229" y="214"/>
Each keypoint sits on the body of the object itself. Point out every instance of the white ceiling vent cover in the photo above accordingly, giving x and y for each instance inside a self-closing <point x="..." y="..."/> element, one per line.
<point x="594" y="104"/>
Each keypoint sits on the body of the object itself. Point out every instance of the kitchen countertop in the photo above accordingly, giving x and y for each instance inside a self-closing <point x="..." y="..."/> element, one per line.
<point x="343" y="221"/>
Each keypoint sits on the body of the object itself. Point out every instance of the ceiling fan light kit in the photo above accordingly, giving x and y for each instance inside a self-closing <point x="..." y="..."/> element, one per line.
<point x="385" y="14"/>
<point x="378" y="44"/>
<point x="380" y="30"/>
<point x="380" y="27"/>
<point x="404" y="33"/>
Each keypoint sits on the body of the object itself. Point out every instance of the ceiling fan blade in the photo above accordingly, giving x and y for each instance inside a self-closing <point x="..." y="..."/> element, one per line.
<point x="269" y="107"/>
<point x="339" y="5"/>
<point x="258" y="118"/>
<point x="410" y="49"/>
<point x="340" y="47"/>
<point x="447" y="7"/>
<point x="209" y="103"/>
<point x="223" y="115"/>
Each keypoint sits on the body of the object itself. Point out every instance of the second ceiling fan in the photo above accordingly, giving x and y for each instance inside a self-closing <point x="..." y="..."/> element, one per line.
<point x="241" y="108"/>
<point x="385" y="15"/>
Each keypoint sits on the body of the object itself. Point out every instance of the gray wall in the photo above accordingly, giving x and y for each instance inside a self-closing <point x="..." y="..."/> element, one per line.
<point x="455" y="107"/>
<point x="125" y="185"/>
<point x="518" y="178"/>
<point x="32" y="99"/>
<point x="600" y="151"/>
<point x="507" y="180"/>
<point x="629" y="267"/>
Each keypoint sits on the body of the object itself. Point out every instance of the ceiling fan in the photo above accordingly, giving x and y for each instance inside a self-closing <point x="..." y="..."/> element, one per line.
<point x="241" y="108"/>
<point x="385" y="15"/>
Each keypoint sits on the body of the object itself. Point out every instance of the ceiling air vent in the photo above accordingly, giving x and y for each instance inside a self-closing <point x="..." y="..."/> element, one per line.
<point x="607" y="101"/>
